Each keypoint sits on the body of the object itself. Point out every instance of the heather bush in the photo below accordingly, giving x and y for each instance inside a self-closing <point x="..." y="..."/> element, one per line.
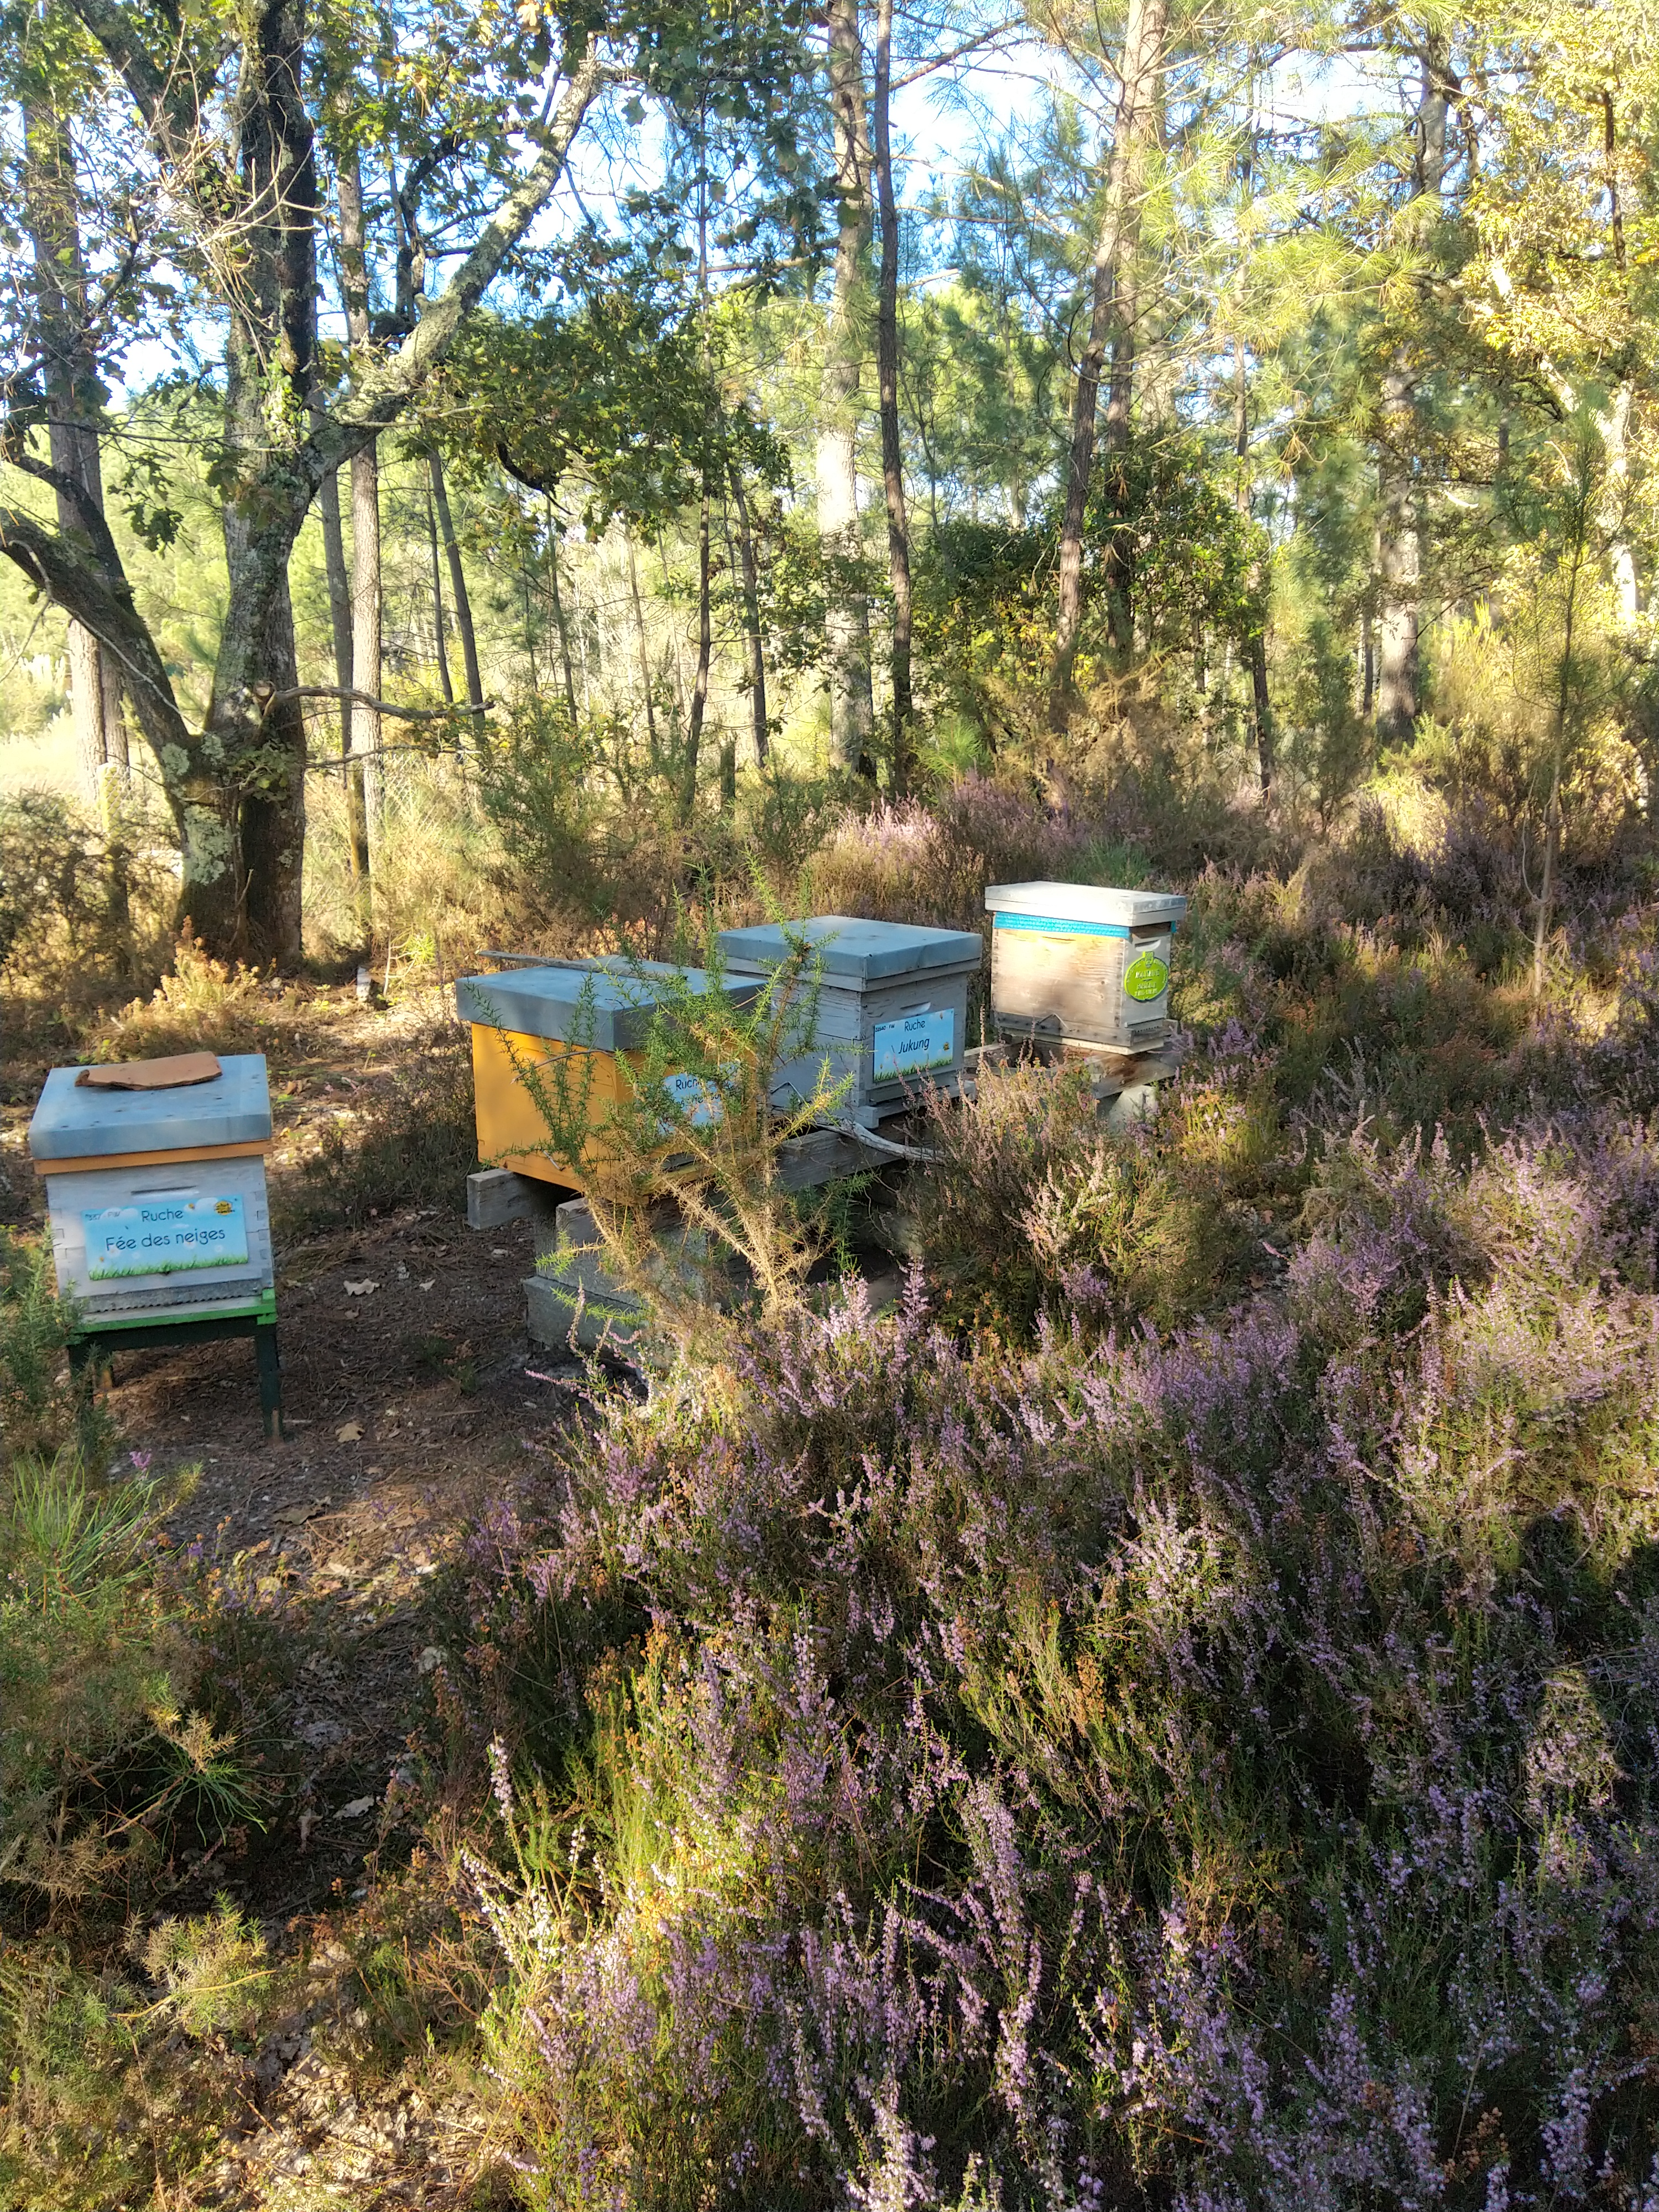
<point x="1169" y="1714"/>
<point x="930" y="862"/>
<point x="1030" y="1206"/>
<point x="1142" y="1765"/>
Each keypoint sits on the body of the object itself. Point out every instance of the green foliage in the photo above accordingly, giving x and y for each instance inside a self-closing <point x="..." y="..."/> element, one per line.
<point x="1036" y="1206"/>
<point x="88" y="1660"/>
<point x="67" y="895"/>
<point x="42" y="1409"/>
<point x="620" y="391"/>
<point x="984" y="590"/>
<point x="213" y="1974"/>
<point x="701" y="1110"/>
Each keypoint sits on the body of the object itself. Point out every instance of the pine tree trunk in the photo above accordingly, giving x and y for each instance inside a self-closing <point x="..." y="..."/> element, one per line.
<point x="339" y="596"/>
<point x="1119" y="236"/>
<point x="458" y="595"/>
<point x="363" y="765"/>
<point x="705" y="653"/>
<point x="437" y="606"/>
<point x="558" y="617"/>
<point x="1117" y="557"/>
<point x="847" y="618"/>
<point x="645" y="653"/>
<point x="1255" y="641"/>
<point x="1399" y="501"/>
<point x="1367" y="665"/>
<point x="892" y="456"/>
<point x="751" y="621"/>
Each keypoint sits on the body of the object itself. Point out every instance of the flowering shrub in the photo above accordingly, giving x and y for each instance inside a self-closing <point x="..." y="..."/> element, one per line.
<point x="1168" y="1715"/>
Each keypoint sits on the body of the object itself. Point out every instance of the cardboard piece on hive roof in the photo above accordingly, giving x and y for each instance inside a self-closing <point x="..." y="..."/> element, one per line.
<point x="171" y="1073"/>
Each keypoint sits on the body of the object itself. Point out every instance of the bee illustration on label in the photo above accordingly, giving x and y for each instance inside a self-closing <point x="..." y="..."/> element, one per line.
<point x="223" y="1207"/>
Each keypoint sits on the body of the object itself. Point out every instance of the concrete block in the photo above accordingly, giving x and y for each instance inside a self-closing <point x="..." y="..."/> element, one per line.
<point x="558" y="1316"/>
<point x="495" y="1196"/>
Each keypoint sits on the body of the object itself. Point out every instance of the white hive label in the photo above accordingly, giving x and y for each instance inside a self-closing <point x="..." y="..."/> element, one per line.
<point x="913" y="1044"/>
<point x="164" y="1236"/>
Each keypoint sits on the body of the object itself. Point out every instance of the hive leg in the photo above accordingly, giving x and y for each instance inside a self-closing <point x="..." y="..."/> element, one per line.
<point x="270" y="1378"/>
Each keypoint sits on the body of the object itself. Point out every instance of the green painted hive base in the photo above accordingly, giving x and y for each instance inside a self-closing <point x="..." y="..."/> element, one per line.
<point x="94" y="1344"/>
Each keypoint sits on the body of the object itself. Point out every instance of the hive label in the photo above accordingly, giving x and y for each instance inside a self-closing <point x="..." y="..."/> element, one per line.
<point x="164" y="1236"/>
<point x="913" y="1044"/>
<point x="1146" y="978"/>
<point x="696" y="1097"/>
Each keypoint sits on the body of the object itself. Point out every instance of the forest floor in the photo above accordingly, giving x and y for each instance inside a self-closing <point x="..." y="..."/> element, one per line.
<point x="411" y="1399"/>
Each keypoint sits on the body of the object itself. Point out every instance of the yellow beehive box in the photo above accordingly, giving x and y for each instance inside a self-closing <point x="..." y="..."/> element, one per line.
<point x="570" y="1028"/>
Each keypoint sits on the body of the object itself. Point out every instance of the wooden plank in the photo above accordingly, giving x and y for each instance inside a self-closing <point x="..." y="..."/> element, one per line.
<point x="255" y="1148"/>
<point x="821" y="1156"/>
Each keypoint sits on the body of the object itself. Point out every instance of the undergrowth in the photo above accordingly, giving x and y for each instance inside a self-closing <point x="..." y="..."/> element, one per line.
<point x="1169" y="1715"/>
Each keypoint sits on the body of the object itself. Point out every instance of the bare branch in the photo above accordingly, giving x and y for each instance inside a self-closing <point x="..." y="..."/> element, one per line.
<point x="367" y="699"/>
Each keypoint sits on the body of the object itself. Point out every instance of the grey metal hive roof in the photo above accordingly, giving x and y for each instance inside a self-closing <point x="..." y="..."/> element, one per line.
<point x="852" y="951"/>
<point x="607" y="1007"/>
<point x="1093" y="902"/>
<point x="74" y="1122"/>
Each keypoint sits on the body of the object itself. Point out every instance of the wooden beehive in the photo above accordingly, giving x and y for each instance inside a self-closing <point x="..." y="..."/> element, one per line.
<point x="592" y="1015"/>
<point x="1074" y="964"/>
<point x="891" y="1011"/>
<point x="156" y="1194"/>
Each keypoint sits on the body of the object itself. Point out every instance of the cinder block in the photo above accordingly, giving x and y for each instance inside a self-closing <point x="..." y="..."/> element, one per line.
<point x="558" y="1315"/>
<point x="495" y="1196"/>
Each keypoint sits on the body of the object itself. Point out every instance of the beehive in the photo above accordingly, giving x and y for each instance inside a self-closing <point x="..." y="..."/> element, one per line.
<point x="156" y="1196"/>
<point x="891" y="1013"/>
<point x="1072" y="963"/>
<point x="533" y="1018"/>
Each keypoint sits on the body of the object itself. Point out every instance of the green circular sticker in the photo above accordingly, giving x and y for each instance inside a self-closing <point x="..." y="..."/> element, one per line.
<point x="1147" y="978"/>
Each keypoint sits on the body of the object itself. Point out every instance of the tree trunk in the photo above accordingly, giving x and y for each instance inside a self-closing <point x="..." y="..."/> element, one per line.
<point x="558" y="617"/>
<point x="1367" y="664"/>
<point x="751" y="621"/>
<point x="362" y="773"/>
<point x="1399" y="565"/>
<point x="255" y="720"/>
<point x="74" y="398"/>
<point x="339" y="596"/>
<point x="892" y="457"/>
<point x="1399" y="519"/>
<point x="1613" y="422"/>
<point x="1261" y="706"/>
<point x="459" y="596"/>
<point x="438" y="606"/>
<point x="705" y="653"/>
<point x="645" y="655"/>
<point x="1256" y="639"/>
<point x="1616" y="421"/>
<point x="847" y="616"/>
<point x="1133" y="134"/>
<point x="1117" y="555"/>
